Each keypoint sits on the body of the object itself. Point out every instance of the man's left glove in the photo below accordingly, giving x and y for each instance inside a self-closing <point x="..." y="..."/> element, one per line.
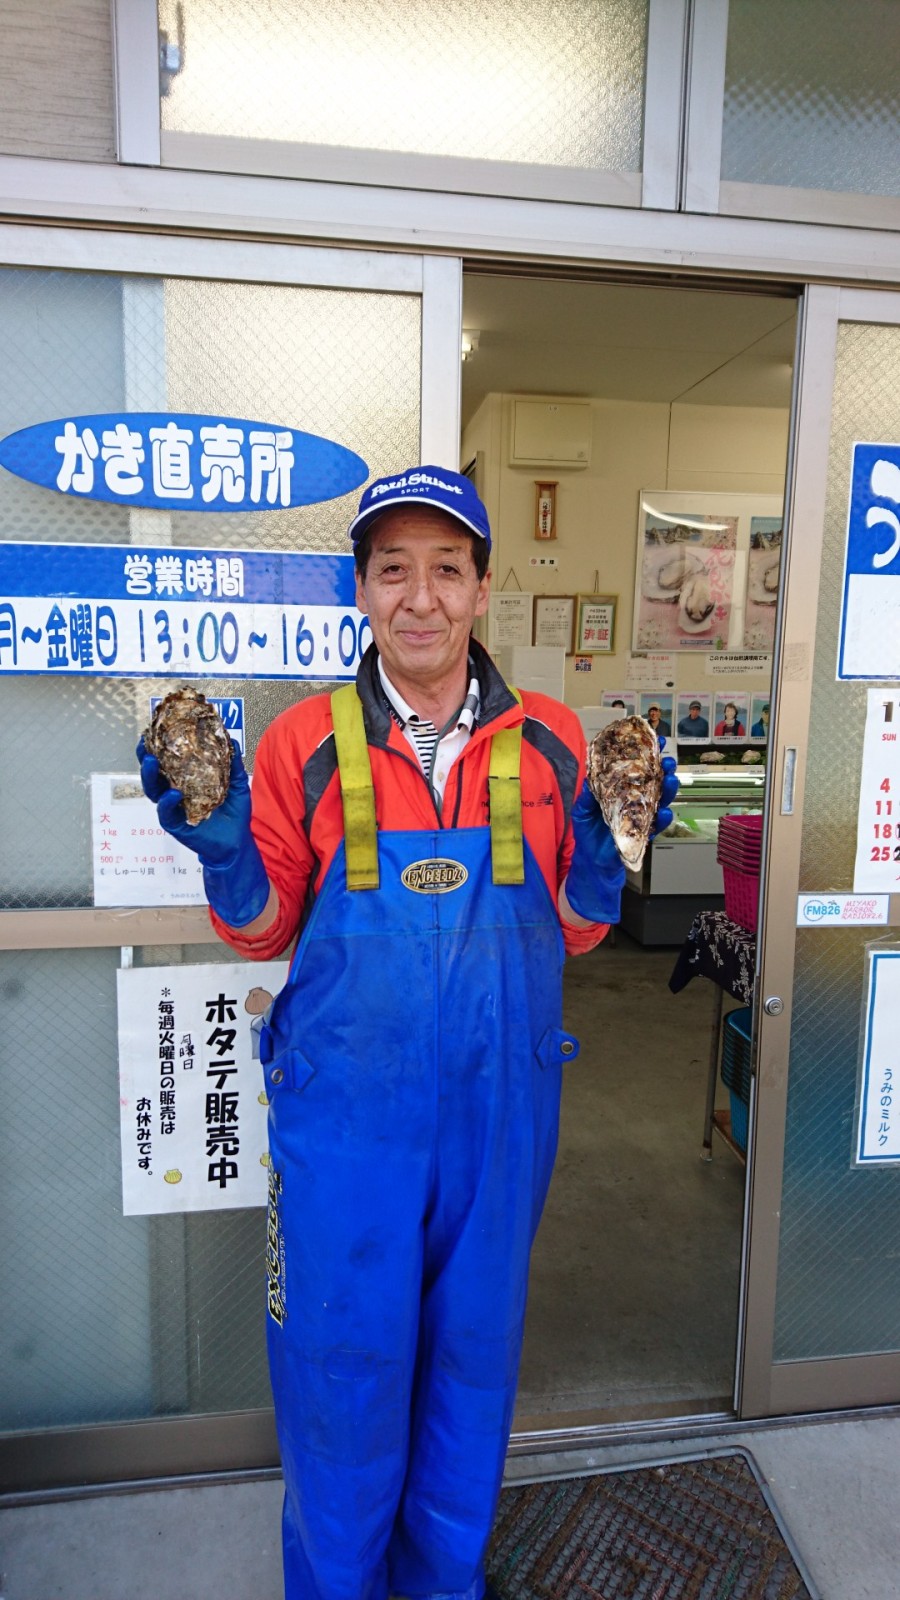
<point x="597" y="873"/>
<point x="235" y="880"/>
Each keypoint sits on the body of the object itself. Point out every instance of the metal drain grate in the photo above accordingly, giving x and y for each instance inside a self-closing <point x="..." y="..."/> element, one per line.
<point x="700" y="1528"/>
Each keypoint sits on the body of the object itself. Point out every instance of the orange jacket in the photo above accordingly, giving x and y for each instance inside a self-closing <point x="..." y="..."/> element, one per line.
<point x="297" y="814"/>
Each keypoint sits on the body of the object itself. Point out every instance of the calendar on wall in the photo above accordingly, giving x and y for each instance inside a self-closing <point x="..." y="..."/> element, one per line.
<point x="877" y="866"/>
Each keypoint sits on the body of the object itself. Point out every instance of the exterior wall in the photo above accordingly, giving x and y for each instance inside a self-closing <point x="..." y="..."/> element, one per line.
<point x="56" y="80"/>
<point x="58" y="165"/>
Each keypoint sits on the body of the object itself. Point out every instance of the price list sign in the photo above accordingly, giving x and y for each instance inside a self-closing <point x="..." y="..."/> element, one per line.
<point x="877" y="866"/>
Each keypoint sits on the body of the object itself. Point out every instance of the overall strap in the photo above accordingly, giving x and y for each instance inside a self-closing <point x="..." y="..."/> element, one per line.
<point x="505" y="790"/>
<point x="357" y="791"/>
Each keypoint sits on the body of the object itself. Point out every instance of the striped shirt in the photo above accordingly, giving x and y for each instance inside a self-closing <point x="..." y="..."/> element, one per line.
<point x="436" y="748"/>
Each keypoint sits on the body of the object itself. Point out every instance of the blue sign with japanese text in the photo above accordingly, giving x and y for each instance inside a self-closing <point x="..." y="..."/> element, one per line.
<point x="177" y="461"/>
<point x="136" y="611"/>
<point x="869" y="644"/>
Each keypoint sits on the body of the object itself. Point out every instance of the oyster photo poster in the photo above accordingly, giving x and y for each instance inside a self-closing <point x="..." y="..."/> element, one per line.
<point x="686" y="579"/>
<point x="763" y="569"/>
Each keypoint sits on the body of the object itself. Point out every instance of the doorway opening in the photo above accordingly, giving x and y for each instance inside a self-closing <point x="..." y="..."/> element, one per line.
<point x="630" y="442"/>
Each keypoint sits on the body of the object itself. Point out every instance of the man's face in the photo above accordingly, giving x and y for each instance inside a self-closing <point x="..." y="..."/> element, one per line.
<point x="694" y="713"/>
<point x="421" y="593"/>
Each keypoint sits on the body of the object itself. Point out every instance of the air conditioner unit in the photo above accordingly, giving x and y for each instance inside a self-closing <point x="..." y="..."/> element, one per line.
<point x="550" y="433"/>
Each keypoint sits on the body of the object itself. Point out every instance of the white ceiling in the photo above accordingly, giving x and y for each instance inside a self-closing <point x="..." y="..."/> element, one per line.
<point x="626" y="342"/>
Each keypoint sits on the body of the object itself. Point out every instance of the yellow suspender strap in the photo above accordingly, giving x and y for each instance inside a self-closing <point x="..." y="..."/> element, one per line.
<point x="507" y="855"/>
<point x="357" y="791"/>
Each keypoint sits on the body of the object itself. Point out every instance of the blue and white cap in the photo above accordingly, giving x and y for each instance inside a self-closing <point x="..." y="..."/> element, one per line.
<point x="427" y="486"/>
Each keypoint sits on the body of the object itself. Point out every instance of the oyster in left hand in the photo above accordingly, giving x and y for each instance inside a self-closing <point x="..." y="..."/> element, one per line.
<point x="625" y="777"/>
<point x="188" y="738"/>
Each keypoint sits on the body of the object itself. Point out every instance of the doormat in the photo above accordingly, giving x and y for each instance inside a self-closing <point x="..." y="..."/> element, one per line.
<point x="700" y="1528"/>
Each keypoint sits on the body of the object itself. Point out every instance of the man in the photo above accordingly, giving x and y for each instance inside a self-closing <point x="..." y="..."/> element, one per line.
<point x="658" y="722"/>
<point x="760" y="728"/>
<point x="426" y="832"/>
<point x="693" y="726"/>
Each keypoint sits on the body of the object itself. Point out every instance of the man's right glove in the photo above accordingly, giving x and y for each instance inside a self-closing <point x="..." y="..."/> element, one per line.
<point x="236" y="882"/>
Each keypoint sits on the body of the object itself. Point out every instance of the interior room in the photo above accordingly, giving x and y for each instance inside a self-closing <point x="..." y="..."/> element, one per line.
<point x="630" y="443"/>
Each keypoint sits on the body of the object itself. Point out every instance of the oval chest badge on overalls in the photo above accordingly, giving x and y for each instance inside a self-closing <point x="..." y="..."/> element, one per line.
<point x="437" y="876"/>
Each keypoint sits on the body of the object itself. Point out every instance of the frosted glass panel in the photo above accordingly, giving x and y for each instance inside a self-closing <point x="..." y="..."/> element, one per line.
<point x="835" y="1296"/>
<point x="105" y="1318"/>
<point x="342" y="363"/>
<point x="812" y="95"/>
<point x="502" y="80"/>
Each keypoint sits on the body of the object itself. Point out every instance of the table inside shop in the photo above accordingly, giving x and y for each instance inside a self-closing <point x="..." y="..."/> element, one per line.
<point x="723" y="951"/>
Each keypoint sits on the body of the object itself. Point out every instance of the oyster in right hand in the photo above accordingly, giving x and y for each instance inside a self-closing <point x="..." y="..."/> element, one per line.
<point x="188" y="738"/>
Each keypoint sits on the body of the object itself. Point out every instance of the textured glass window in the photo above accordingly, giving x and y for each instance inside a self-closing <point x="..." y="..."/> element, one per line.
<point x="107" y="1318"/>
<point x="836" y="1294"/>
<point x="505" y="80"/>
<point x="812" y="95"/>
<point x="342" y="363"/>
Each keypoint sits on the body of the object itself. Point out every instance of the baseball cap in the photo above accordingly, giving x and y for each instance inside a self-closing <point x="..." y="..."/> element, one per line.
<point x="426" y="486"/>
<point x="693" y="704"/>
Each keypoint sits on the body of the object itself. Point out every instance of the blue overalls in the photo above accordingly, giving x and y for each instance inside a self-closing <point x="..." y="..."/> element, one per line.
<point x="412" y="1064"/>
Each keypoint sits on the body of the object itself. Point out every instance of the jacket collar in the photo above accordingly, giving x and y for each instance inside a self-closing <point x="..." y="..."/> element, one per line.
<point x="497" y="701"/>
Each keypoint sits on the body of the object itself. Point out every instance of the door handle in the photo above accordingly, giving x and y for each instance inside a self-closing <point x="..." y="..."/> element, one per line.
<point x="787" y="780"/>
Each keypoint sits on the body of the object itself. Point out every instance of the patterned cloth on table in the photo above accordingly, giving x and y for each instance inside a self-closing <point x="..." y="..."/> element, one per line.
<point x="719" y="949"/>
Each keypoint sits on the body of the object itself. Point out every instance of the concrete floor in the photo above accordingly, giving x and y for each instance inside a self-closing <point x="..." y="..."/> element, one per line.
<point x="836" y="1486"/>
<point x="635" y="1273"/>
<point x="633" y="1308"/>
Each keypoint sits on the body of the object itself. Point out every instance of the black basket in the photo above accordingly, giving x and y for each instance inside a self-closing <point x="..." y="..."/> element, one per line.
<point x="736" y="1054"/>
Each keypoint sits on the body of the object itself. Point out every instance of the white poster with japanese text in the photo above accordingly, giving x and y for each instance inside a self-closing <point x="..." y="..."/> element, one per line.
<point x="878" y="1118"/>
<point x="191" y="1094"/>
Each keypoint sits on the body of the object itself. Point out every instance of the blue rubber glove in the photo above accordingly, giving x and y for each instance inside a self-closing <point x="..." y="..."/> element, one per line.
<point x="235" y="880"/>
<point x="597" y="873"/>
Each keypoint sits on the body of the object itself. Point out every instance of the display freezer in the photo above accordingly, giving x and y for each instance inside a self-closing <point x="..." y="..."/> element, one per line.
<point x="680" y="874"/>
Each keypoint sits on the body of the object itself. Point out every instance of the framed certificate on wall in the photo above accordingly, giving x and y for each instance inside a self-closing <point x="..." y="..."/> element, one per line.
<point x="596" y="630"/>
<point x="554" y="620"/>
<point x="509" y="618"/>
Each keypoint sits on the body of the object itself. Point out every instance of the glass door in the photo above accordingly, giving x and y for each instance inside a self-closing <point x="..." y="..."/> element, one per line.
<point x="821" y="1300"/>
<point x="142" y="1351"/>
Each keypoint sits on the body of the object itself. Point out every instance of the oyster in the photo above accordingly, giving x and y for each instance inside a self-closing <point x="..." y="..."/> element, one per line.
<point x="770" y="578"/>
<point x="667" y="569"/>
<point x="750" y="757"/>
<point x="188" y="738"/>
<point x="675" y="573"/>
<point x="712" y="756"/>
<point x="625" y="778"/>
<point x="696" y="604"/>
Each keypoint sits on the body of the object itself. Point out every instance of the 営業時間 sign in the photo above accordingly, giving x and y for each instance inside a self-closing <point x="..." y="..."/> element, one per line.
<point x="135" y="611"/>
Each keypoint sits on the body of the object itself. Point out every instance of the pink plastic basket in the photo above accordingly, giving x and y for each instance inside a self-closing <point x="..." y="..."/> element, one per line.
<point x="741" y="898"/>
